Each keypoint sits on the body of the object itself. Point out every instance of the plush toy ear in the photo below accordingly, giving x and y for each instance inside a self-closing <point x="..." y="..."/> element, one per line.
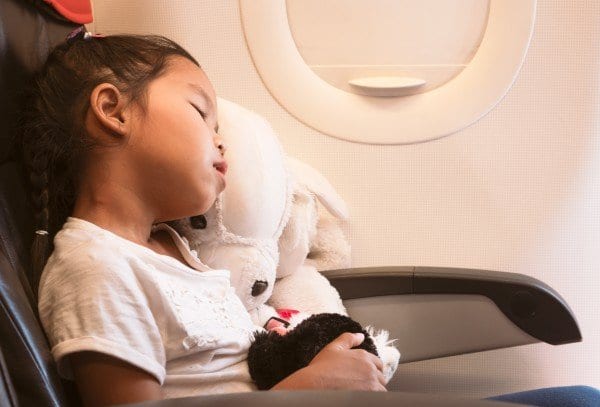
<point x="318" y="185"/>
<point x="258" y="194"/>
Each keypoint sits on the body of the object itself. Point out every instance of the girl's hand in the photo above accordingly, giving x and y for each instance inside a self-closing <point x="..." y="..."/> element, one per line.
<point x="275" y="325"/>
<point x="338" y="366"/>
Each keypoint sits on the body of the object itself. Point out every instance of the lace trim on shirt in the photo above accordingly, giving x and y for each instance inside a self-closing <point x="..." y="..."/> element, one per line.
<point x="208" y="316"/>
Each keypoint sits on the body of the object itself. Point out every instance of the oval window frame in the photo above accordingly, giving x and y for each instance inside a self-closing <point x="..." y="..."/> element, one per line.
<point x="389" y="120"/>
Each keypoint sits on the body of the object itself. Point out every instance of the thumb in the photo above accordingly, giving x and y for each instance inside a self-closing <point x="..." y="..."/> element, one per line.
<point x="348" y="340"/>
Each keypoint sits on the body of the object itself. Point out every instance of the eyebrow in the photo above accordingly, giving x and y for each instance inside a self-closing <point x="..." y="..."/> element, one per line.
<point x="199" y="90"/>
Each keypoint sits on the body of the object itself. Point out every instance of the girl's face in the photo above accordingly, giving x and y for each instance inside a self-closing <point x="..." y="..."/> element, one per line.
<point x="175" y="143"/>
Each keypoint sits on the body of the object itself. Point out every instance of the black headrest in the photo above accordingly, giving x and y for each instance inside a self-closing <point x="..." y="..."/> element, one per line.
<point x="28" y="30"/>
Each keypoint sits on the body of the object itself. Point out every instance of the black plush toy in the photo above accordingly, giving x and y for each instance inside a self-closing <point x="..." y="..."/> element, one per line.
<point x="273" y="357"/>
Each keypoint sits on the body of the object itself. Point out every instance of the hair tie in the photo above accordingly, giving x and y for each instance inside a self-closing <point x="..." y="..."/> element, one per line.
<point x="81" y="33"/>
<point x="41" y="232"/>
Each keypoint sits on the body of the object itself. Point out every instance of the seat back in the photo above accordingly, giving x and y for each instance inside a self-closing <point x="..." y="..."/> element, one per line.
<point x="28" y="376"/>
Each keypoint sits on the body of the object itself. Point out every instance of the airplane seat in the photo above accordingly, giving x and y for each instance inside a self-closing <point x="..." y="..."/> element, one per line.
<point x="28" y="371"/>
<point x="28" y="30"/>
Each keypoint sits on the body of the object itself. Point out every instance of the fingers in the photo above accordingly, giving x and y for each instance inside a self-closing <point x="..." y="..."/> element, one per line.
<point x="381" y="379"/>
<point x="279" y="330"/>
<point x="274" y="323"/>
<point x="348" y="340"/>
<point x="378" y="383"/>
<point x="377" y="362"/>
<point x="374" y="381"/>
<point x="382" y="388"/>
<point x="379" y="372"/>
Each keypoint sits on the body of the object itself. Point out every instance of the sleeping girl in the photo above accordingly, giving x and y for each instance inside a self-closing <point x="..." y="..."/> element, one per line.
<point x="121" y="136"/>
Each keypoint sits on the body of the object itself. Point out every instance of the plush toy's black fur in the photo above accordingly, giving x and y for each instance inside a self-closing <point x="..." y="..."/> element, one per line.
<point x="273" y="357"/>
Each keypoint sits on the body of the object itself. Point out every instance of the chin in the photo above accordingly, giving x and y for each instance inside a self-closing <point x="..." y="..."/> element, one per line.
<point x="199" y="206"/>
<point x="202" y="210"/>
<point x="208" y="203"/>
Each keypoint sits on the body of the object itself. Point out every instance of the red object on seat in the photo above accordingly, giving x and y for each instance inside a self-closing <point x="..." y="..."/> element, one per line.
<point x="78" y="11"/>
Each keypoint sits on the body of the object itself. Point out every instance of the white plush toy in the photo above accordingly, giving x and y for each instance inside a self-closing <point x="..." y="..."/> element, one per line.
<point x="265" y="226"/>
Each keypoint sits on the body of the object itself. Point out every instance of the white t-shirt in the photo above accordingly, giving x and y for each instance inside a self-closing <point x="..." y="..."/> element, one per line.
<point x="182" y="324"/>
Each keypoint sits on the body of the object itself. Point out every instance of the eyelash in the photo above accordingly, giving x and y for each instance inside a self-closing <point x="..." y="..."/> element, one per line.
<point x="200" y="112"/>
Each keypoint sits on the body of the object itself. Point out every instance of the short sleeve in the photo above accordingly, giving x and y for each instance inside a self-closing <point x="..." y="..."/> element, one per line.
<point x="91" y="303"/>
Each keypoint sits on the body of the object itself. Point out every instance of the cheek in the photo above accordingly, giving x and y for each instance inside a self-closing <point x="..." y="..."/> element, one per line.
<point x="186" y="149"/>
<point x="196" y="161"/>
<point x="199" y="173"/>
<point x="174" y="141"/>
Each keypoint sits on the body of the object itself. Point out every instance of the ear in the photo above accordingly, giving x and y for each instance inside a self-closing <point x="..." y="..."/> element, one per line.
<point x="108" y="107"/>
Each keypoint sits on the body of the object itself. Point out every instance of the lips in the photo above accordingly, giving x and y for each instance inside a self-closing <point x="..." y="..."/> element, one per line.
<point x="221" y="166"/>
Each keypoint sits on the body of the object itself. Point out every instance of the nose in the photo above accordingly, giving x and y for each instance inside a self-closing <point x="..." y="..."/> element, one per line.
<point x="220" y="145"/>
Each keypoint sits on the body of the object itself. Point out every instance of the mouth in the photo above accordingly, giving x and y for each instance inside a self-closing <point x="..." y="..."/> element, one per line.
<point x="221" y="166"/>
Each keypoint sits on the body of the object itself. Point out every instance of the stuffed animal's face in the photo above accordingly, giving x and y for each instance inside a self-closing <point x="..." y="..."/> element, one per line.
<point x="272" y="357"/>
<point x="252" y="273"/>
<point x="252" y="267"/>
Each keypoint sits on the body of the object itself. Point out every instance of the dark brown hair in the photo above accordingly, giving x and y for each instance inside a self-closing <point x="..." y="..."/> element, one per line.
<point x="54" y="139"/>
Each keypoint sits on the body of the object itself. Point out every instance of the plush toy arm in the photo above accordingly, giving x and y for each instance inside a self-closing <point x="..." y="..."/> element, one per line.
<point x="307" y="291"/>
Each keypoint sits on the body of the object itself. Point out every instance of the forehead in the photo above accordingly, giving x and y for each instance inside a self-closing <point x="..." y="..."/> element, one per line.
<point x="181" y="73"/>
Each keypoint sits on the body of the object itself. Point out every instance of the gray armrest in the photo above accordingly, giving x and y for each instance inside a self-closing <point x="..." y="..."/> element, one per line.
<point x="438" y="312"/>
<point x="322" y="399"/>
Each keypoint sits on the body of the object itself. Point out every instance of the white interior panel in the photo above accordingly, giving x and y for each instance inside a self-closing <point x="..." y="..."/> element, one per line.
<point x="518" y="191"/>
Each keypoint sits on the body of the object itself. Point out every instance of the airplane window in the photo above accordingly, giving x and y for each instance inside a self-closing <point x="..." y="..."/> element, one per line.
<point x="364" y="45"/>
<point x="388" y="71"/>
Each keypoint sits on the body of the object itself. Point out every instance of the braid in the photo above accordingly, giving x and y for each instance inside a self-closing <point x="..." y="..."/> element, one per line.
<point x="38" y="177"/>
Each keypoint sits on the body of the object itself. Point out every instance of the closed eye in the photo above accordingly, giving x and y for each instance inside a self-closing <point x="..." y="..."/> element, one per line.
<point x="201" y="112"/>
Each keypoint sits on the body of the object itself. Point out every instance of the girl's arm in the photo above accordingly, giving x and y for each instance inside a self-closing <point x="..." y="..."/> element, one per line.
<point x="103" y="380"/>
<point x="338" y="366"/>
